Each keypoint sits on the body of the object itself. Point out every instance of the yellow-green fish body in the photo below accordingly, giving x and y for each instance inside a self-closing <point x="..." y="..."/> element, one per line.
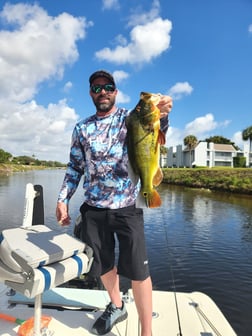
<point x="144" y="139"/>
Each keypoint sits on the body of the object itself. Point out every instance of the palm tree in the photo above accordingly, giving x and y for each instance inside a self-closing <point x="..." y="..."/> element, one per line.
<point x="190" y="141"/>
<point x="163" y="153"/>
<point x="163" y="150"/>
<point x="247" y="135"/>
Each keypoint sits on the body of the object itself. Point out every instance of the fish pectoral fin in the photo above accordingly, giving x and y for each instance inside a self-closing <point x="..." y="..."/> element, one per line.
<point x="158" y="177"/>
<point x="152" y="199"/>
<point x="161" y="138"/>
<point x="133" y="174"/>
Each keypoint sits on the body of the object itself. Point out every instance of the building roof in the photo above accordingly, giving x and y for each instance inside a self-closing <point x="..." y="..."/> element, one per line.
<point x="224" y="147"/>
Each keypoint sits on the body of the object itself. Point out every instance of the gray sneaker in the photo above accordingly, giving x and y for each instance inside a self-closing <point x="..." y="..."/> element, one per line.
<point x="109" y="318"/>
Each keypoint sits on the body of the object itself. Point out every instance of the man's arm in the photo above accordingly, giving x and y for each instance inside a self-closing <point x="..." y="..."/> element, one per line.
<point x="165" y="106"/>
<point x="74" y="172"/>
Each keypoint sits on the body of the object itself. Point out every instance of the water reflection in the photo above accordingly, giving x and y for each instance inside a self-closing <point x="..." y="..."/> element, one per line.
<point x="198" y="240"/>
<point x="205" y="238"/>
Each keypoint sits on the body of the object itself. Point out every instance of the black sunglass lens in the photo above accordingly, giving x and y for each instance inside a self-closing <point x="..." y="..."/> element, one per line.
<point x="106" y="87"/>
<point x="109" y="87"/>
<point x="96" y="88"/>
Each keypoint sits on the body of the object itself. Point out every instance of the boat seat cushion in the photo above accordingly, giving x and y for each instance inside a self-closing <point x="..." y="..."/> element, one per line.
<point x="38" y="245"/>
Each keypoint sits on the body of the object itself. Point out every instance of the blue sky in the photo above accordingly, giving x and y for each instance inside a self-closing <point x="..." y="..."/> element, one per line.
<point x="198" y="51"/>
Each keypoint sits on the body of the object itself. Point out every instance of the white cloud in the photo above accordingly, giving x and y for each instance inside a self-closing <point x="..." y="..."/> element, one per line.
<point x="201" y="125"/>
<point x="120" y="75"/>
<point x="237" y="139"/>
<point x="57" y="126"/>
<point x="34" y="48"/>
<point x="44" y="131"/>
<point x="250" y="28"/>
<point x="110" y="4"/>
<point x="174" y="137"/>
<point x="67" y="87"/>
<point x="120" y="39"/>
<point x="179" y="90"/>
<point x="122" y="98"/>
<point x="147" y="41"/>
<point x="142" y="17"/>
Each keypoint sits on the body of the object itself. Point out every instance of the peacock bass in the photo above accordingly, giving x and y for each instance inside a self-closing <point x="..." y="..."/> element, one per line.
<point x="143" y="140"/>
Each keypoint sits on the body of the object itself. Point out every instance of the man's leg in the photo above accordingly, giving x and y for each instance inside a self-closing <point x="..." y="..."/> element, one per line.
<point x="110" y="281"/>
<point x="115" y="311"/>
<point x="142" y="291"/>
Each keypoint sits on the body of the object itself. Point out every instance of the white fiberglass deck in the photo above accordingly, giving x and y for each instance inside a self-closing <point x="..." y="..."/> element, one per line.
<point x="198" y="314"/>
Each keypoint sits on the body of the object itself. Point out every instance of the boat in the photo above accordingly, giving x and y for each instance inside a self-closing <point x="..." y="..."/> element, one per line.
<point x="37" y="263"/>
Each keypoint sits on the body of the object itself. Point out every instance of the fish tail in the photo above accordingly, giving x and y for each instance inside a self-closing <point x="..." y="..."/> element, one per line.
<point x="152" y="199"/>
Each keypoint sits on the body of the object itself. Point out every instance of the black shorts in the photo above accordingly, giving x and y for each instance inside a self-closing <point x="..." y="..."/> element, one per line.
<point x="98" y="230"/>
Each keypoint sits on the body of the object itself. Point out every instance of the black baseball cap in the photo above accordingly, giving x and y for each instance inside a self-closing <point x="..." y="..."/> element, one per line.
<point x="101" y="73"/>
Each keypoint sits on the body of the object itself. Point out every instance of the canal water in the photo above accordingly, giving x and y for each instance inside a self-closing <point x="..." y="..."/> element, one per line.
<point x="197" y="241"/>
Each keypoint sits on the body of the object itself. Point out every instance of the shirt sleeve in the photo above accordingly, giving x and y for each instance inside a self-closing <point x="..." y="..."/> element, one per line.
<point x="164" y="124"/>
<point x="75" y="169"/>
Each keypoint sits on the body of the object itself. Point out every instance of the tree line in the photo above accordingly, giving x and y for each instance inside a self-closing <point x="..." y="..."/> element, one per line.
<point x="6" y="157"/>
<point x="191" y="140"/>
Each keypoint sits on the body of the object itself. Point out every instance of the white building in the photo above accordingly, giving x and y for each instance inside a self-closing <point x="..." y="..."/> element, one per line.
<point x="205" y="154"/>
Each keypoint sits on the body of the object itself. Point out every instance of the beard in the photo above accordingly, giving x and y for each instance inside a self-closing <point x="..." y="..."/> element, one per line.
<point x="104" y="107"/>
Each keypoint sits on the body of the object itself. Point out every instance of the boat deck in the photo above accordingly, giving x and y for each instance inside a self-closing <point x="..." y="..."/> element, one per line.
<point x="198" y="314"/>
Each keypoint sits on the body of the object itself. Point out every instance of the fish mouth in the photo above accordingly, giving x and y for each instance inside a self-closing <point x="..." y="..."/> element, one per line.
<point x="153" y="97"/>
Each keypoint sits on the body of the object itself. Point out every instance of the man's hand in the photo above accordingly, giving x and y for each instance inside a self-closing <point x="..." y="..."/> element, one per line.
<point x="165" y="105"/>
<point x="62" y="215"/>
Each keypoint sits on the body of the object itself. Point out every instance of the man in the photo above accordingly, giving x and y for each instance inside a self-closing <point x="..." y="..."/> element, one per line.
<point x="99" y="152"/>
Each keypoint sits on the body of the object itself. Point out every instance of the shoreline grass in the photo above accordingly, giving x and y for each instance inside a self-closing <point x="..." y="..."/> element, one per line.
<point x="7" y="169"/>
<point x="236" y="180"/>
<point x="233" y="180"/>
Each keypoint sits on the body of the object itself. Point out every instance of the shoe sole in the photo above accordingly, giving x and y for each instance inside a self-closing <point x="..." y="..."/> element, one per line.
<point x="118" y="320"/>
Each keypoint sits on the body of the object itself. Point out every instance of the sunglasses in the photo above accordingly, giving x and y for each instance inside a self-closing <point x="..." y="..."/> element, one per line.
<point x="98" y="88"/>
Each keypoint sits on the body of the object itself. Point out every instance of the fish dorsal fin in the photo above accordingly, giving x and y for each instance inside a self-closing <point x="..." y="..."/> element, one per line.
<point x="158" y="177"/>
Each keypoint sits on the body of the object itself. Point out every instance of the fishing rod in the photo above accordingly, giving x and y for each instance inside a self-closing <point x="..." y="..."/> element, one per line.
<point x="176" y="301"/>
<point x="193" y="303"/>
<point x="173" y="284"/>
<point x="12" y="319"/>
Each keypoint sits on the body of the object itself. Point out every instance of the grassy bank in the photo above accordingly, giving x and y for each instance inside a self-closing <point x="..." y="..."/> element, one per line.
<point x="238" y="180"/>
<point x="223" y="179"/>
<point x="6" y="168"/>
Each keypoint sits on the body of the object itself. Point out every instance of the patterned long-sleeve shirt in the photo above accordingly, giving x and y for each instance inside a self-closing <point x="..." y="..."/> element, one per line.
<point x="99" y="153"/>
